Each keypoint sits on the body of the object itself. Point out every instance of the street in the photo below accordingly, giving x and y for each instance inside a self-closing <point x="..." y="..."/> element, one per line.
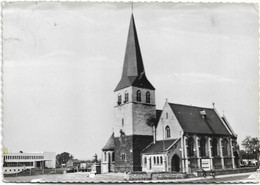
<point x="120" y="177"/>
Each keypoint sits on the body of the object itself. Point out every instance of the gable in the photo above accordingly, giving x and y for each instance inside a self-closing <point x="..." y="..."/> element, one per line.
<point x="171" y="121"/>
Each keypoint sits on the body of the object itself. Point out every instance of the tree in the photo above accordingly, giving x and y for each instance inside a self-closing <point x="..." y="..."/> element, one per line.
<point x="151" y="121"/>
<point x="63" y="158"/>
<point x="251" y="146"/>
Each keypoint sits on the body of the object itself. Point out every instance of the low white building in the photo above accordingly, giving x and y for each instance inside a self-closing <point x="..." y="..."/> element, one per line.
<point x="17" y="162"/>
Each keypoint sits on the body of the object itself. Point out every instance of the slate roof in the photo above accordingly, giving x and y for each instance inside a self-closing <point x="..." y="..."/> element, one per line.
<point x="133" y="69"/>
<point x="191" y="120"/>
<point x="158" y="146"/>
<point x="110" y="145"/>
<point x="158" y="115"/>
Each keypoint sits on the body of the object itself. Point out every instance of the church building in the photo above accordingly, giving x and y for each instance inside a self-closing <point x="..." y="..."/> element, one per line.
<point x="181" y="138"/>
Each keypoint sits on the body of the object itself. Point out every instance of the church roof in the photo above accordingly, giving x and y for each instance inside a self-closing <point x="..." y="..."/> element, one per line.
<point x="133" y="70"/>
<point x="158" y="115"/>
<point x="159" y="146"/>
<point x="110" y="145"/>
<point x="192" y="121"/>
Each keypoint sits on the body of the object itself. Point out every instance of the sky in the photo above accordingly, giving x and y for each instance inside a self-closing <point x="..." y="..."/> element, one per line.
<point x="62" y="62"/>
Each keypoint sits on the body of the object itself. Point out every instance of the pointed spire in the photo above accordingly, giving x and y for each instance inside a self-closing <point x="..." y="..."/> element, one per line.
<point x="133" y="69"/>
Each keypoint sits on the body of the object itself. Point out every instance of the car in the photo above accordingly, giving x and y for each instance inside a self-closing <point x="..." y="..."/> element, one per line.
<point x="71" y="170"/>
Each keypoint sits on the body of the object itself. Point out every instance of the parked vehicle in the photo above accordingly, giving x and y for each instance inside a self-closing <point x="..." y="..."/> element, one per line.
<point x="83" y="167"/>
<point x="71" y="170"/>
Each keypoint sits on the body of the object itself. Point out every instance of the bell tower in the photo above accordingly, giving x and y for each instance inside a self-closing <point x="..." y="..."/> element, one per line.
<point x="134" y="107"/>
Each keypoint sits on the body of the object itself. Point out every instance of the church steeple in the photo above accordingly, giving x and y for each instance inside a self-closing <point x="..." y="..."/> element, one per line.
<point x="133" y="69"/>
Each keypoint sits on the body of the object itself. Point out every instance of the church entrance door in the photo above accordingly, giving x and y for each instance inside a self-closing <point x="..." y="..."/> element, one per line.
<point x="176" y="163"/>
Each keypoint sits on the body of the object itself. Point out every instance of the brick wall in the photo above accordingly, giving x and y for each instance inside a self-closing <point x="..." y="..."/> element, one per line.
<point x="228" y="162"/>
<point x="141" y="113"/>
<point x="131" y="146"/>
<point x="217" y="163"/>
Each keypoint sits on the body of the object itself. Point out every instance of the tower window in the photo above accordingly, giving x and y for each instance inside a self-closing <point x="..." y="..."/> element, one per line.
<point x="148" y="97"/>
<point x="138" y="96"/>
<point x="119" y="99"/>
<point x="123" y="122"/>
<point x="123" y="157"/>
<point x="168" y="132"/>
<point x="166" y="115"/>
<point x="126" y="97"/>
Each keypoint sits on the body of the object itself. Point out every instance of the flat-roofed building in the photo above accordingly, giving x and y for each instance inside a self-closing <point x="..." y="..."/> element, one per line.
<point x="17" y="162"/>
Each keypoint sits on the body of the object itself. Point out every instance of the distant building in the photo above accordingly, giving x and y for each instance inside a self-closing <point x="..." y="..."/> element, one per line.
<point x="178" y="138"/>
<point x="17" y="162"/>
<point x="73" y="162"/>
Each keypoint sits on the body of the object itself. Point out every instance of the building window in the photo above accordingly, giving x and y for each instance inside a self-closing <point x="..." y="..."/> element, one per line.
<point x="148" y="97"/>
<point x="123" y="157"/>
<point x="105" y="156"/>
<point x="202" y="147"/>
<point x="154" y="160"/>
<point x="145" y="161"/>
<point x="123" y="122"/>
<point x="113" y="156"/>
<point x="214" y="147"/>
<point x="168" y="132"/>
<point x="158" y="162"/>
<point x="190" y="146"/>
<point x="166" y="115"/>
<point x="119" y="99"/>
<point x="225" y="146"/>
<point x="161" y="160"/>
<point x="138" y="96"/>
<point x="126" y="97"/>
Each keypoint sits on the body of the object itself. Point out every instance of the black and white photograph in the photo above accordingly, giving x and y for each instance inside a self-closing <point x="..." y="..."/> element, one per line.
<point x="160" y="92"/>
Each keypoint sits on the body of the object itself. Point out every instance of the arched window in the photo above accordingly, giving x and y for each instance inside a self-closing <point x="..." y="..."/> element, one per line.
<point x="148" y="97"/>
<point x="123" y="122"/>
<point x="145" y="161"/>
<point x="158" y="162"/>
<point x="168" y="132"/>
<point x="224" y="143"/>
<point x="214" y="147"/>
<point x="126" y="97"/>
<point x="119" y="99"/>
<point x="154" y="160"/>
<point x="161" y="159"/>
<point x="138" y="96"/>
<point x="191" y="146"/>
<point x="202" y="147"/>
<point x="166" y="115"/>
<point x="123" y="157"/>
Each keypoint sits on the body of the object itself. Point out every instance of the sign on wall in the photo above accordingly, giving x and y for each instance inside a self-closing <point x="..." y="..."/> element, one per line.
<point x="205" y="164"/>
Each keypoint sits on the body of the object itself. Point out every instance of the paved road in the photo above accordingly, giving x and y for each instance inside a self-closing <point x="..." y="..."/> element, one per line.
<point x="119" y="177"/>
